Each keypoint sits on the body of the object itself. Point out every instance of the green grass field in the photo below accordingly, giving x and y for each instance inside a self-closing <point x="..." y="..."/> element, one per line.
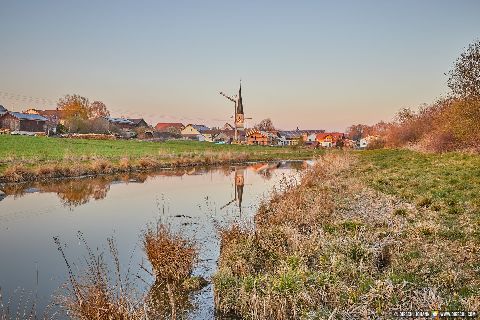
<point x="37" y="152"/>
<point x="44" y="149"/>
<point x="443" y="182"/>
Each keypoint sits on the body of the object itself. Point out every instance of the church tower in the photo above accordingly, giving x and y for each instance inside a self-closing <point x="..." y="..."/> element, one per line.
<point x="239" y="115"/>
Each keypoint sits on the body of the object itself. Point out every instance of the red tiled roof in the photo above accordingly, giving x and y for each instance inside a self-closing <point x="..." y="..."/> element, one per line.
<point x="335" y="135"/>
<point x="165" y="125"/>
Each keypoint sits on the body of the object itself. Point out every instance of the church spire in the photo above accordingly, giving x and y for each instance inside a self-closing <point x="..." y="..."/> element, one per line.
<point x="240" y="103"/>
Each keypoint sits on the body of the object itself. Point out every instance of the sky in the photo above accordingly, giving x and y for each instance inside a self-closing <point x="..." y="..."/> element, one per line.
<point x="307" y="64"/>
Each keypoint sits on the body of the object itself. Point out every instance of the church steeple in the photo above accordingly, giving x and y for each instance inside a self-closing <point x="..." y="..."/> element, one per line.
<point x="240" y="103"/>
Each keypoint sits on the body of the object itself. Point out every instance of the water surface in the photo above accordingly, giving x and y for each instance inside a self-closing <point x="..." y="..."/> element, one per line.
<point x="194" y="201"/>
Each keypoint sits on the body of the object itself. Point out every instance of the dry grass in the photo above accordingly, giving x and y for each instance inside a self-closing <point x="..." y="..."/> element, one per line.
<point x="172" y="258"/>
<point x="19" y="172"/>
<point x="102" y="292"/>
<point x="99" y="293"/>
<point x="332" y="247"/>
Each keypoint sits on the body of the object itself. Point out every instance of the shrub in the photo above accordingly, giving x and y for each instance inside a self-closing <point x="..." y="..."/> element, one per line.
<point x="172" y="257"/>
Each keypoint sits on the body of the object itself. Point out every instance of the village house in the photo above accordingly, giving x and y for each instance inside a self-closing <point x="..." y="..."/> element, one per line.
<point x="226" y="136"/>
<point x="194" y="131"/>
<point x="349" y="143"/>
<point x="293" y="137"/>
<point x="21" y="122"/>
<point x="289" y="138"/>
<point x="3" y="110"/>
<point x="139" y="123"/>
<point x="121" y="123"/>
<point x="329" y="140"/>
<point x="208" y="135"/>
<point x="309" y="135"/>
<point x="273" y="138"/>
<point x="312" y="137"/>
<point x="256" y="137"/>
<point x="54" y="117"/>
<point x="172" y="127"/>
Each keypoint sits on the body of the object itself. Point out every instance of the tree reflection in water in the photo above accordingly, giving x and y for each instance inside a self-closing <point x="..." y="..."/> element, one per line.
<point x="79" y="191"/>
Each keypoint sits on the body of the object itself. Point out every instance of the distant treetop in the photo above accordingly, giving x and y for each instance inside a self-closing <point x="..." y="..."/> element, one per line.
<point x="464" y="78"/>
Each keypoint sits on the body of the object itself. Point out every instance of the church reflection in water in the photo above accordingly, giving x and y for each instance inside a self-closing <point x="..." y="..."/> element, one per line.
<point x="239" y="183"/>
<point x="79" y="191"/>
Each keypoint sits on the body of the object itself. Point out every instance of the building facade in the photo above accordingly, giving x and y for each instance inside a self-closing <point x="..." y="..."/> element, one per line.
<point x="16" y="121"/>
<point x="256" y="137"/>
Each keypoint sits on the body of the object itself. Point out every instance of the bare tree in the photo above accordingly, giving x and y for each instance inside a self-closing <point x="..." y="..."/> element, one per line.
<point x="464" y="78"/>
<point x="265" y="125"/>
<point x="358" y="131"/>
<point x="98" y="109"/>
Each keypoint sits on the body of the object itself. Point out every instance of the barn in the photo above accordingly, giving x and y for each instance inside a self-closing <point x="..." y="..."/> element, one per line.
<point x="16" y="121"/>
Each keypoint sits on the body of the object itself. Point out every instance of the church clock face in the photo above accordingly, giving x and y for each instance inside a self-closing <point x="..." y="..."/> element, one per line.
<point x="239" y="119"/>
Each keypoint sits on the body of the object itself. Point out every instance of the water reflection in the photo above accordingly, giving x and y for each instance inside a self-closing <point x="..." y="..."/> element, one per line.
<point x="79" y="191"/>
<point x="121" y="206"/>
<point x="239" y="183"/>
<point x="169" y="304"/>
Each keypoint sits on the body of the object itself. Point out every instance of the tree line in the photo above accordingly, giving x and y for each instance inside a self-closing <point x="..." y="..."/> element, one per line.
<point x="448" y="124"/>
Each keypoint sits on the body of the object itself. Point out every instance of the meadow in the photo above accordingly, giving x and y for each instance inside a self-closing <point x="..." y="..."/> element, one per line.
<point x="448" y="183"/>
<point x="31" y="158"/>
<point x="363" y="234"/>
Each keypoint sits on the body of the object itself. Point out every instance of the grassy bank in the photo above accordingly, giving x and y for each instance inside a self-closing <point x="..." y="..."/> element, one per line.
<point x="447" y="183"/>
<point x="32" y="158"/>
<point x="342" y="244"/>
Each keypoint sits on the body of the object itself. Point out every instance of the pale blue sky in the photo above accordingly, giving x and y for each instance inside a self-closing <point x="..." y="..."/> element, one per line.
<point x="312" y="64"/>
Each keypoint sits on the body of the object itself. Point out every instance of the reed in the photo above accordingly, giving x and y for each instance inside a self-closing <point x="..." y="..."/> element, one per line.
<point x="172" y="258"/>
<point x="99" y="292"/>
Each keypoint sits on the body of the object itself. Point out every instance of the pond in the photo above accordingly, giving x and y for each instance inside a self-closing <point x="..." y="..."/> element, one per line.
<point x="195" y="201"/>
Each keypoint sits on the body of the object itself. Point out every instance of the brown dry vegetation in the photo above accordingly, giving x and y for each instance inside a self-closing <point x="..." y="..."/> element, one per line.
<point x="449" y="124"/>
<point x="97" y="293"/>
<point x="102" y="292"/>
<point x="21" y="172"/>
<point x="333" y="247"/>
<point x="172" y="257"/>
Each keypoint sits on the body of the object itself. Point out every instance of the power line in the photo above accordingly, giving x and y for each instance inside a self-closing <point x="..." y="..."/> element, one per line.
<point x="22" y="98"/>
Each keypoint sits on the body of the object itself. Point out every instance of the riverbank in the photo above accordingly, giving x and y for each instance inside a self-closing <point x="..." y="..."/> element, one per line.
<point x="363" y="234"/>
<point x="37" y="158"/>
